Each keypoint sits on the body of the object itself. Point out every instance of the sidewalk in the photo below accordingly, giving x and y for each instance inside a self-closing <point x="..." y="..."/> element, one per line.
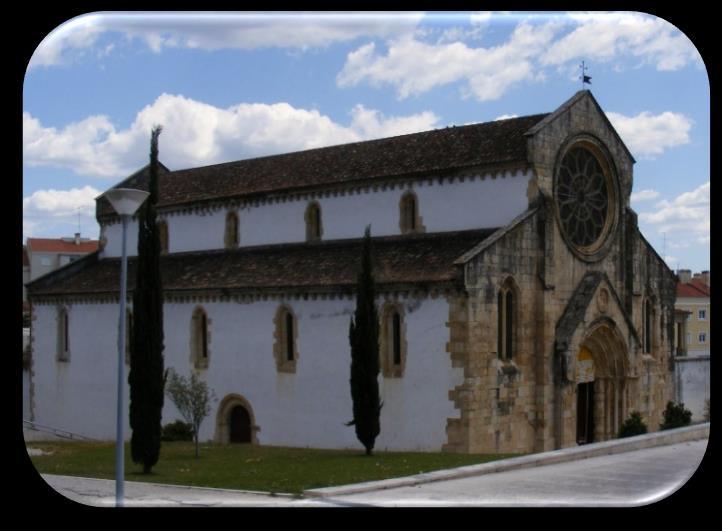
<point x="433" y="488"/>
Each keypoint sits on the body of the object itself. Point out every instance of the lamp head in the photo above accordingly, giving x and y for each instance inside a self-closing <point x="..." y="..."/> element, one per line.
<point x="126" y="201"/>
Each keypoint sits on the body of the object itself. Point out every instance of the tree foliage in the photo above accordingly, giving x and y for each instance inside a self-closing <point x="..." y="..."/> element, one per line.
<point x="191" y="397"/>
<point x="675" y="416"/>
<point x="146" y="376"/>
<point x="634" y="425"/>
<point x="363" y="337"/>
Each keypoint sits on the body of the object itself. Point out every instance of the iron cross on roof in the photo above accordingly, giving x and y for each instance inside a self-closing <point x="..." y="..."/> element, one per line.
<point x="584" y="77"/>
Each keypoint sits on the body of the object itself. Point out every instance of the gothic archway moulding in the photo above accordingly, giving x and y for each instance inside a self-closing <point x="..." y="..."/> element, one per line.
<point x="223" y="430"/>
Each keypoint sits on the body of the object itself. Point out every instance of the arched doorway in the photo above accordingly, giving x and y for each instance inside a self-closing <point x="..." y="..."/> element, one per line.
<point x="601" y="377"/>
<point x="235" y="421"/>
<point x="240" y="425"/>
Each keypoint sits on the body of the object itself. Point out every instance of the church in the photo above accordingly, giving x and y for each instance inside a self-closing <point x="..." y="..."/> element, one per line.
<point x="521" y="309"/>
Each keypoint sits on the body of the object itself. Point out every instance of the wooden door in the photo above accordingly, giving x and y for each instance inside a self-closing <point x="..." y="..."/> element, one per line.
<point x="240" y="422"/>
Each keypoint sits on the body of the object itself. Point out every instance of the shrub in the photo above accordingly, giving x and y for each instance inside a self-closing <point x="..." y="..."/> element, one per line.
<point x="634" y="425"/>
<point x="177" y="431"/>
<point x="675" y="416"/>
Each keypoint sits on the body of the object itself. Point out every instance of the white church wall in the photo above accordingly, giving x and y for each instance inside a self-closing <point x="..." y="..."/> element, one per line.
<point x="472" y="204"/>
<point x="78" y="395"/>
<point x="305" y="408"/>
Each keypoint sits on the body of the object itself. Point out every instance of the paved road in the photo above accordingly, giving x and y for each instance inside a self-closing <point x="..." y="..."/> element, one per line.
<point x="627" y="479"/>
<point x="631" y="478"/>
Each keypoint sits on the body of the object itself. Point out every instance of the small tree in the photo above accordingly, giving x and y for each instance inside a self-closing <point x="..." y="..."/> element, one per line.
<point x="192" y="398"/>
<point x="675" y="416"/>
<point x="364" y="339"/>
<point x="634" y="425"/>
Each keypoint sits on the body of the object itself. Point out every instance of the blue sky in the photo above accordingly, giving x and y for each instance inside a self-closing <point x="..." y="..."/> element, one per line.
<point x="232" y="86"/>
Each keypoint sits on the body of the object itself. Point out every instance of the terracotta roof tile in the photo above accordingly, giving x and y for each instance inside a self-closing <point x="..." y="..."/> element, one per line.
<point x="499" y="142"/>
<point x="693" y="288"/>
<point x="48" y="245"/>
<point x="399" y="260"/>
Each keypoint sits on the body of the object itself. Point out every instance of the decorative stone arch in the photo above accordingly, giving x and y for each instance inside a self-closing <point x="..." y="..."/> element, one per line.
<point x="163" y="235"/>
<point x="314" y="222"/>
<point x="200" y="338"/>
<point x="606" y="373"/>
<point x="223" y="418"/>
<point x="507" y="316"/>
<point x="232" y="232"/>
<point x="392" y="340"/>
<point x="409" y="219"/>
<point x="285" y="350"/>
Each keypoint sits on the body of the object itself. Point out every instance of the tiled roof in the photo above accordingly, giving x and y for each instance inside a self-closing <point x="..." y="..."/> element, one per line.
<point x="693" y="288"/>
<point x="398" y="260"/>
<point x="48" y="245"/>
<point x="500" y="142"/>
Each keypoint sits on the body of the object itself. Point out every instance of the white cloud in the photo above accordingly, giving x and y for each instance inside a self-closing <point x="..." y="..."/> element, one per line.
<point x="644" y="195"/>
<point x="505" y="117"/>
<point x="414" y="67"/>
<point x="62" y="203"/>
<point x="648" y="135"/>
<point x="688" y="212"/>
<point x="214" y="31"/>
<point x="604" y="37"/>
<point x="196" y="133"/>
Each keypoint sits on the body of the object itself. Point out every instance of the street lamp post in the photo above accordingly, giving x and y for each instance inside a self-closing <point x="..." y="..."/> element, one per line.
<point x="126" y="202"/>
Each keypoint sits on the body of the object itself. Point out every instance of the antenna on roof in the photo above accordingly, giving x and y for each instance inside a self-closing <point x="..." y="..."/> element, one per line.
<point x="584" y="77"/>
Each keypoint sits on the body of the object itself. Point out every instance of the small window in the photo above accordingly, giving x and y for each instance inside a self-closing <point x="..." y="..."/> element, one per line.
<point x="45" y="261"/>
<point x="286" y="331"/>
<point x="506" y="309"/>
<point x="63" y="335"/>
<point x="314" y="228"/>
<point x="199" y="339"/>
<point x="702" y="337"/>
<point x="163" y="236"/>
<point x="410" y="221"/>
<point x="393" y="341"/>
<point x="702" y="315"/>
<point x="232" y="233"/>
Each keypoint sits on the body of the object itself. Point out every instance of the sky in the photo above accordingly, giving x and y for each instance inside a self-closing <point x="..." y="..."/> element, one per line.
<point x="232" y="86"/>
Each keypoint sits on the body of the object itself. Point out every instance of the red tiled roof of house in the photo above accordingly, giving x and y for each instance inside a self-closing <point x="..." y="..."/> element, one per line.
<point x="57" y="245"/>
<point x="693" y="288"/>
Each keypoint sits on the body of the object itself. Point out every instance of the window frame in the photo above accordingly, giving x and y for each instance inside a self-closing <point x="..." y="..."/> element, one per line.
<point x="314" y="222"/>
<point x="285" y="340"/>
<point x="507" y="314"/>
<point x="393" y="345"/>
<point x="63" y="347"/>
<point x="200" y="338"/>
<point x="232" y="231"/>
<point x="409" y="218"/>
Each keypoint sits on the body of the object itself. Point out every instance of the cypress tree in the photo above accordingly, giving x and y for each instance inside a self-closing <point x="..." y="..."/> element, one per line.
<point x="363" y="337"/>
<point x="146" y="376"/>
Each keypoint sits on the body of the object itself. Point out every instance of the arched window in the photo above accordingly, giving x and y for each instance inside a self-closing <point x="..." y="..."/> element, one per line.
<point x="286" y="332"/>
<point x="200" y="353"/>
<point x="506" y="325"/>
<point x="314" y="227"/>
<point x="409" y="214"/>
<point x="231" y="238"/>
<point x="163" y="236"/>
<point x="393" y="341"/>
<point x="63" y="335"/>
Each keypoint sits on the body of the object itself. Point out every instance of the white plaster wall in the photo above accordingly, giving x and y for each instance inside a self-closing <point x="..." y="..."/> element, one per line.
<point x="692" y="377"/>
<point x="307" y="408"/>
<point x="79" y="395"/>
<point x="472" y="204"/>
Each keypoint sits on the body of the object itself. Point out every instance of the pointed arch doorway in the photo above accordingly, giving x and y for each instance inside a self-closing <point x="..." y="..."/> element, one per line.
<point x="601" y="378"/>
<point x="235" y="421"/>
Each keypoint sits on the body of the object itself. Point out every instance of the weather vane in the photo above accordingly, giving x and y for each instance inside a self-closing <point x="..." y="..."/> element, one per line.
<point x="584" y="77"/>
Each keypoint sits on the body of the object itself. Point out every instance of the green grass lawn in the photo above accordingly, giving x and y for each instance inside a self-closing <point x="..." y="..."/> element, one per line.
<point x="245" y="466"/>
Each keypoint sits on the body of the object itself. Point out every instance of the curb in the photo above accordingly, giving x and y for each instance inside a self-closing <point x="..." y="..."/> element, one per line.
<point x="616" y="446"/>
